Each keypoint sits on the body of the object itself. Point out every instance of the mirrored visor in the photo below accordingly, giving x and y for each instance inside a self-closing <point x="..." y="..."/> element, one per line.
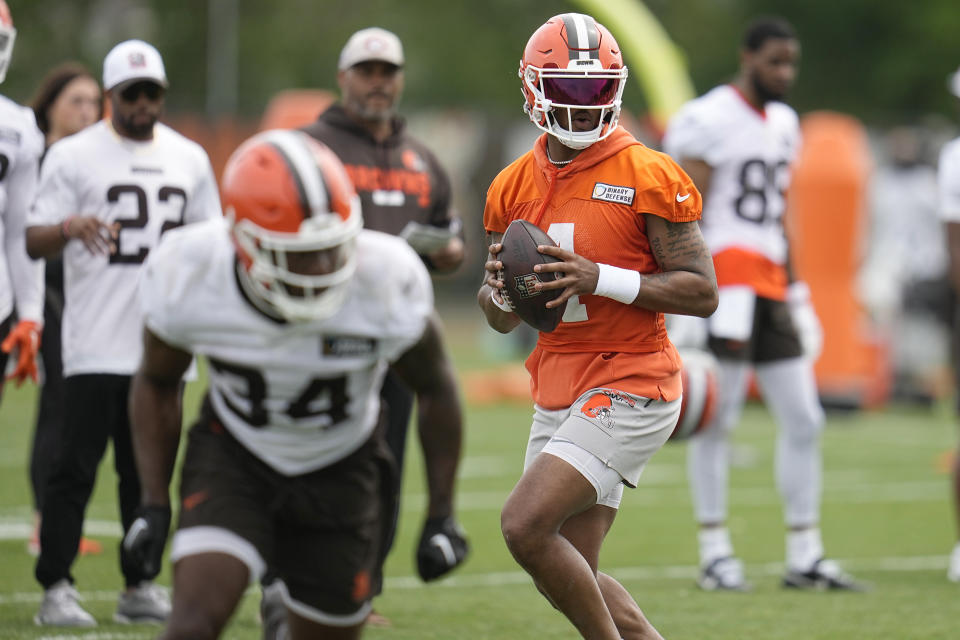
<point x="586" y="92"/>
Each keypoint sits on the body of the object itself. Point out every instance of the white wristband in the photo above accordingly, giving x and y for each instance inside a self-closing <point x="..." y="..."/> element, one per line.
<point x="503" y="305"/>
<point x="621" y="285"/>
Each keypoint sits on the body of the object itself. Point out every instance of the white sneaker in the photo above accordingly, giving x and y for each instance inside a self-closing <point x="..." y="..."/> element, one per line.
<point x="60" y="608"/>
<point x="147" y="602"/>
<point x="273" y="612"/>
<point x="953" y="571"/>
<point x="723" y="574"/>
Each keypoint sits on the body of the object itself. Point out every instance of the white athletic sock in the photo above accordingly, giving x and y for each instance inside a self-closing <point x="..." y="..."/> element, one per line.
<point x="953" y="570"/>
<point x="804" y="547"/>
<point x="714" y="543"/>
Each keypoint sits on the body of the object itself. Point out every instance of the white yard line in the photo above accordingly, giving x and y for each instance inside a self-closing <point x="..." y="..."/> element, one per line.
<point x="15" y="524"/>
<point x="504" y="578"/>
<point x="95" y="635"/>
<point x="19" y="529"/>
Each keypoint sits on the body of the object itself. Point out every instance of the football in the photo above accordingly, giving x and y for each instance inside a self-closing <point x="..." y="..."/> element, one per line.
<point x="519" y="256"/>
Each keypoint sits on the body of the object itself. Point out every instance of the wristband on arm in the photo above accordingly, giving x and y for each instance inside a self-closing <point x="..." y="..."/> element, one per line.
<point x="618" y="284"/>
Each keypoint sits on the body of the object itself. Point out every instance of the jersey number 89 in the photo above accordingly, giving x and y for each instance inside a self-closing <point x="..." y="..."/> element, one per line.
<point x="758" y="182"/>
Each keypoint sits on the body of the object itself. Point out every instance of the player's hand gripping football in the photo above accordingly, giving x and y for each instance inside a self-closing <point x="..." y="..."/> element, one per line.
<point x="579" y="275"/>
<point x="443" y="547"/>
<point x="25" y="338"/>
<point x="494" y="280"/>
<point x="147" y="537"/>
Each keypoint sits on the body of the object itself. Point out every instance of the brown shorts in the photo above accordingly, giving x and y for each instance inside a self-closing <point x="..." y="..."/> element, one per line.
<point x="320" y="532"/>
<point x="773" y="337"/>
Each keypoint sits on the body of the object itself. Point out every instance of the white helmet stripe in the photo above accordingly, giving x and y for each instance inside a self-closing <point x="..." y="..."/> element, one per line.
<point x="582" y="36"/>
<point x="304" y="169"/>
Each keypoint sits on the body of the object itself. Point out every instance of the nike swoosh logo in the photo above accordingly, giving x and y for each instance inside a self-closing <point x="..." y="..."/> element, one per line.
<point x="442" y="543"/>
<point x="682" y="198"/>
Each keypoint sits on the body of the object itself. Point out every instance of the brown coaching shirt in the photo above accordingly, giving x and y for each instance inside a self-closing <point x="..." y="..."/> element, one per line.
<point x="398" y="180"/>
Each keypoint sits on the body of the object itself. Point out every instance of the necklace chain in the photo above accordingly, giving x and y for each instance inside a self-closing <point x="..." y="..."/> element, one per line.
<point x="559" y="163"/>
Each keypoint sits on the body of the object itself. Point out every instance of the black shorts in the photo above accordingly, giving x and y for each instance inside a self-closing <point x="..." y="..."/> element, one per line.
<point x="320" y="532"/>
<point x="773" y="337"/>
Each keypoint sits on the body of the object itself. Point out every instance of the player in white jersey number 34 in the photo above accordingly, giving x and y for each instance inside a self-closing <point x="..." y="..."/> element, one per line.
<point x="299" y="311"/>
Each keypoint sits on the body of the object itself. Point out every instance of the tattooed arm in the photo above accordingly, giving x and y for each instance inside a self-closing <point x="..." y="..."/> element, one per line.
<point x="688" y="284"/>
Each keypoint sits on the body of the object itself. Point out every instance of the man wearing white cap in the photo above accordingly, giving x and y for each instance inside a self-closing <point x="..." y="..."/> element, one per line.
<point x="106" y="196"/>
<point x="403" y="191"/>
<point x="949" y="192"/>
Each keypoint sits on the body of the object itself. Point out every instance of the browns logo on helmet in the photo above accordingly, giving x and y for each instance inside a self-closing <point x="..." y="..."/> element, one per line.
<point x="572" y="62"/>
<point x="7" y="37"/>
<point x="294" y="219"/>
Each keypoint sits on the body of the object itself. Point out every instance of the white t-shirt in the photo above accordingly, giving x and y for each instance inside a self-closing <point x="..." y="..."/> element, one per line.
<point x="948" y="180"/>
<point x="149" y="188"/>
<point x="300" y="396"/>
<point x="750" y="153"/>
<point x="21" y="145"/>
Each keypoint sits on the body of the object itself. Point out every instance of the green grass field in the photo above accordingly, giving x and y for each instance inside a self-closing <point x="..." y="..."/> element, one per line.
<point x="886" y="516"/>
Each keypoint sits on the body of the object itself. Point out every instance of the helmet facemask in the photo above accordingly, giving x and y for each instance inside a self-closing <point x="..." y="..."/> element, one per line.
<point x="271" y="273"/>
<point x="583" y="87"/>
<point x="294" y="217"/>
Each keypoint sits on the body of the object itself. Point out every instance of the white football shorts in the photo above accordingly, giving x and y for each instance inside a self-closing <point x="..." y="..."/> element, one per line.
<point x="606" y="435"/>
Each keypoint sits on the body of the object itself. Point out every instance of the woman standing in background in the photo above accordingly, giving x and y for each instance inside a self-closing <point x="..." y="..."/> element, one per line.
<point x="67" y="100"/>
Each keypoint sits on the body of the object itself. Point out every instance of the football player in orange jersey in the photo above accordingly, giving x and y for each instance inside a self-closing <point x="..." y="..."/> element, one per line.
<point x="605" y="382"/>
<point x="737" y="142"/>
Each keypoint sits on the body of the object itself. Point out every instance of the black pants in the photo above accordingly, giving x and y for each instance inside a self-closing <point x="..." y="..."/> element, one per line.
<point x="96" y="411"/>
<point x="4" y="330"/>
<point x="48" y="433"/>
<point x="398" y="401"/>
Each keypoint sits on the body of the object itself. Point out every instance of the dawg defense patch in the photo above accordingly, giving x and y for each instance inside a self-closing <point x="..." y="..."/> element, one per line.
<point x="613" y="193"/>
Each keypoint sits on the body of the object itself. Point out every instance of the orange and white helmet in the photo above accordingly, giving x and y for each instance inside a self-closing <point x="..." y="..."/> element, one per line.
<point x="7" y="37"/>
<point x="572" y="62"/>
<point x="294" y="218"/>
<point x="697" y="409"/>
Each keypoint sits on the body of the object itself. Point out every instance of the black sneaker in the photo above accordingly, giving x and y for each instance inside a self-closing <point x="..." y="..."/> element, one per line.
<point x="723" y="574"/>
<point x="824" y="575"/>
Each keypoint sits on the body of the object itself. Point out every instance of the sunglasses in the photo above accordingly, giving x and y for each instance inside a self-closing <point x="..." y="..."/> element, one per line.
<point x="152" y="90"/>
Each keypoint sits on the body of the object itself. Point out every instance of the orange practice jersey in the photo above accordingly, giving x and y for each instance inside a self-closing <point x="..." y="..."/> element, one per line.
<point x="594" y="207"/>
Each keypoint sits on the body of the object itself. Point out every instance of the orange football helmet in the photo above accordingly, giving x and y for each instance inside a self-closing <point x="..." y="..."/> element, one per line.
<point x="572" y="62"/>
<point x="699" y="402"/>
<point x="294" y="219"/>
<point x="7" y="36"/>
